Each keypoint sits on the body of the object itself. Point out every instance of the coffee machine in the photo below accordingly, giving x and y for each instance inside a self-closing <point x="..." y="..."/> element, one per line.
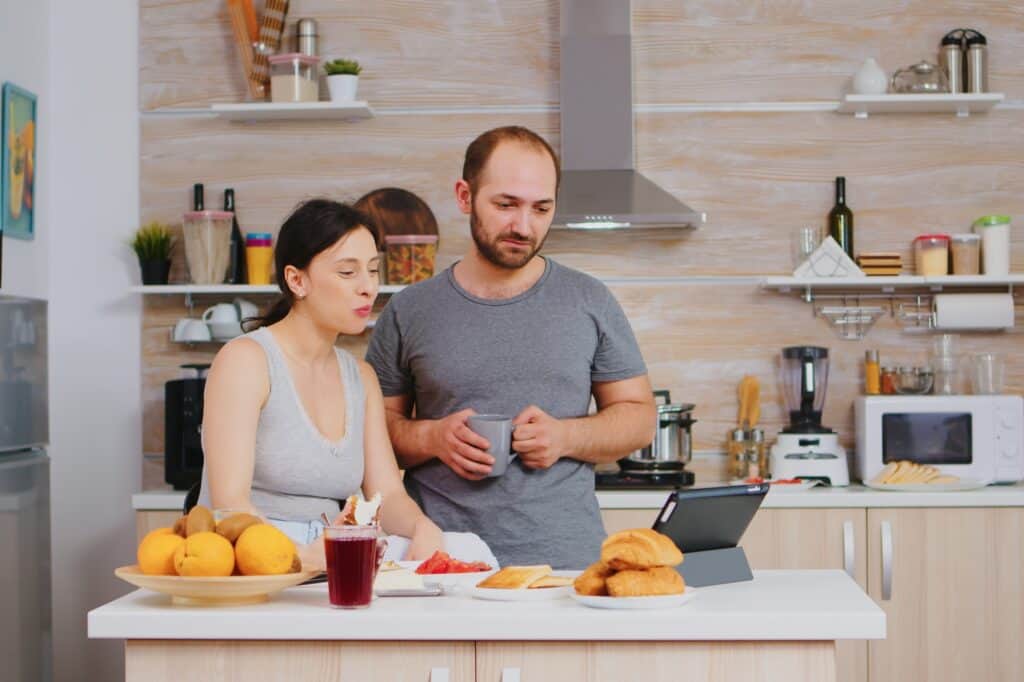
<point x="183" y="423"/>
<point x="807" y="449"/>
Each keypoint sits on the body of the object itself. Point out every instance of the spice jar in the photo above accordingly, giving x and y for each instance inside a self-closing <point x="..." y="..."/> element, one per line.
<point x="410" y="257"/>
<point x="966" y="253"/>
<point x="888" y="381"/>
<point x="931" y="255"/>
<point x="872" y="373"/>
<point x="739" y="465"/>
<point x="293" y="77"/>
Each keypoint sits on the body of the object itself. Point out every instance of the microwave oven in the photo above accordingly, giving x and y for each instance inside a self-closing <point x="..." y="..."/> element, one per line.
<point x="970" y="436"/>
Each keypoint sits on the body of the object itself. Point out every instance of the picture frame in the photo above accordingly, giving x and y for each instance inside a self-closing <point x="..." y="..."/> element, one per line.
<point x="18" y="166"/>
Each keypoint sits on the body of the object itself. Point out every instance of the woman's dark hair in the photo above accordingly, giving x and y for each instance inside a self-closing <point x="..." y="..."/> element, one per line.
<point x="313" y="226"/>
<point x="397" y="211"/>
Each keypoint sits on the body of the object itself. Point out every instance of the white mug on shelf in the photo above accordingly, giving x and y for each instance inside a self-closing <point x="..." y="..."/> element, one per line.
<point x="190" y="330"/>
<point x="222" y="312"/>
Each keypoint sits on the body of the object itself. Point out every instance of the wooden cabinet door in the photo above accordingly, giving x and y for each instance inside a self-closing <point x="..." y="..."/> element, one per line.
<point x="809" y="539"/>
<point x="953" y="599"/>
<point x="146" y="521"/>
<point x="256" y="661"/>
<point x="654" y="661"/>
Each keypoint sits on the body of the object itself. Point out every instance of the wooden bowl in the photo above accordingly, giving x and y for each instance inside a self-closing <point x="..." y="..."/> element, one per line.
<point x="220" y="591"/>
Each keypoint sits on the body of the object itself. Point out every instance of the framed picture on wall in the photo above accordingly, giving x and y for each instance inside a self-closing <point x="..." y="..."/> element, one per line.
<point x="19" y="163"/>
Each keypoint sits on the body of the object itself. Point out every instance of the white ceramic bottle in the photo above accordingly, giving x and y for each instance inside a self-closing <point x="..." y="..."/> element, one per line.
<point x="870" y="79"/>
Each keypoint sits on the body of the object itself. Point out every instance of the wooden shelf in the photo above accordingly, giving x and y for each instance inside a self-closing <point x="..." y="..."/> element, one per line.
<point x="961" y="104"/>
<point x="888" y="284"/>
<point x="191" y="289"/>
<point x="270" y="111"/>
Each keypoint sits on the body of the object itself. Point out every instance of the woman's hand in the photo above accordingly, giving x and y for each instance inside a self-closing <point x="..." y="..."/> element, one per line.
<point x="425" y="540"/>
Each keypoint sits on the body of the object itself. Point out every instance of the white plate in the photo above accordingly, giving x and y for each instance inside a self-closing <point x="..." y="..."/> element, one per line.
<point x="667" y="601"/>
<point x="962" y="484"/>
<point x="539" y="594"/>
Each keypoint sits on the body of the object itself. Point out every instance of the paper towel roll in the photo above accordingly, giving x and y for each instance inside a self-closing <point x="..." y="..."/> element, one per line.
<point x="973" y="311"/>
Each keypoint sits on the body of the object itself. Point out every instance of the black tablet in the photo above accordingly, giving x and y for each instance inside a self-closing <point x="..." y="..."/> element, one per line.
<point x="699" y="519"/>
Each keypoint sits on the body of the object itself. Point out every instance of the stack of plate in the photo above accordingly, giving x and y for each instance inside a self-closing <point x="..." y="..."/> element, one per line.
<point x="880" y="264"/>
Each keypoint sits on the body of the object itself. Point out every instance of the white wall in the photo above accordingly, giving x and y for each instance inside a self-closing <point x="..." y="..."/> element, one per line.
<point x="24" y="61"/>
<point x="94" y="322"/>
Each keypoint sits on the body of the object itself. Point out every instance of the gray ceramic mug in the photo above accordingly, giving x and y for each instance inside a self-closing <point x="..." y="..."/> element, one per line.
<point x="497" y="429"/>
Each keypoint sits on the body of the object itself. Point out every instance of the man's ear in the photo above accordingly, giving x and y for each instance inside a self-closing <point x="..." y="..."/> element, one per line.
<point x="463" y="196"/>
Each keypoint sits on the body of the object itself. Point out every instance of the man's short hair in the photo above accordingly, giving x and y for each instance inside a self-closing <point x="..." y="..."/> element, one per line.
<point x="479" y="151"/>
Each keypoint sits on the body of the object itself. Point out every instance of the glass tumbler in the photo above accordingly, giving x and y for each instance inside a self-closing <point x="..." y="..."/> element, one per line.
<point x="987" y="374"/>
<point x="805" y="241"/>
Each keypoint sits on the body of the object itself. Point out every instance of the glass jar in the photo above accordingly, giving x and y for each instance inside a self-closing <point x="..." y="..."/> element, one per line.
<point x="294" y="77"/>
<point x="888" y="381"/>
<point x="995" y="243"/>
<point x="410" y="257"/>
<point x="207" y="245"/>
<point x="931" y="255"/>
<point x="259" y="257"/>
<point x="966" y="253"/>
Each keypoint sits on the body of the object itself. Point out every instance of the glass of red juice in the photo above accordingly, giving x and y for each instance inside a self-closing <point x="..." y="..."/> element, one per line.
<point x="353" y="555"/>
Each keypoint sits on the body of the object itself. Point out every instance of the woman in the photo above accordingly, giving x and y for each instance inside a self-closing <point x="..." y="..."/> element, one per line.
<point x="291" y="424"/>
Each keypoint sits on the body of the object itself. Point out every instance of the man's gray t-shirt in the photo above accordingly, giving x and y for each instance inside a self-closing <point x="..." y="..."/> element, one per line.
<point x="451" y="350"/>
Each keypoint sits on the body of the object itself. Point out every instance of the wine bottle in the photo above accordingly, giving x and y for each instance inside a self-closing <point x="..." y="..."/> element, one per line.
<point x="198" y="197"/>
<point x="840" y="219"/>
<point x="236" y="271"/>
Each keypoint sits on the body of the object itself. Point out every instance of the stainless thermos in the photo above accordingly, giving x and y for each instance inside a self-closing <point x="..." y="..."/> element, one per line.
<point x="951" y="59"/>
<point x="977" y="62"/>
<point x="306" y="37"/>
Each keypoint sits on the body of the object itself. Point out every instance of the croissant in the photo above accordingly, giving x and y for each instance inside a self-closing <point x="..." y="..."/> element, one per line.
<point x="592" y="581"/>
<point x="639" y="548"/>
<point x="646" y="583"/>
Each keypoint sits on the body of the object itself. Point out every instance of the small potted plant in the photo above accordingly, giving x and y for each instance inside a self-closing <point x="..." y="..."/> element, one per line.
<point x="342" y="79"/>
<point x="152" y="244"/>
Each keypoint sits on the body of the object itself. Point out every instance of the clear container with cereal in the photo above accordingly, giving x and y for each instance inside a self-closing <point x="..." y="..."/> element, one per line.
<point x="931" y="255"/>
<point x="965" y="251"/>
<point x="410" y="257"/>
<point x="207" y="245"/>
<point x="294" y="77"/>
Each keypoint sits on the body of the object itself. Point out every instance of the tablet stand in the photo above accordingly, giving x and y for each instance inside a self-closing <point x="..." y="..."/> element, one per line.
<point x="715" y="567"/>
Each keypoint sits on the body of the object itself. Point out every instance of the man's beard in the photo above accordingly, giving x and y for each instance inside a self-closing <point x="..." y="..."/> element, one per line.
<point x="491" y="250"/>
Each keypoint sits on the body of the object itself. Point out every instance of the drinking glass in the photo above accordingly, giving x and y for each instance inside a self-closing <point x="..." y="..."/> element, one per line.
<point x="987" y="374"/>
<point x="353" y="556"/>
<point x="805" y="241"/>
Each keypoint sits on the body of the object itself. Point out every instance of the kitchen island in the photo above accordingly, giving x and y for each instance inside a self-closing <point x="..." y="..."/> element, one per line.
<point x="783" y="625"/>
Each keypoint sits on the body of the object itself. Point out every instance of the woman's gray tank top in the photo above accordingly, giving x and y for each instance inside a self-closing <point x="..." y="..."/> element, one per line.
<point x="299" y="473"/>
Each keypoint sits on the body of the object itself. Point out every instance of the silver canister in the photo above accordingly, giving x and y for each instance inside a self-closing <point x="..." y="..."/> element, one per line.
<point x="951" y="58"/>
<point x="307" y="40"/>
<point x="977" y="62"/>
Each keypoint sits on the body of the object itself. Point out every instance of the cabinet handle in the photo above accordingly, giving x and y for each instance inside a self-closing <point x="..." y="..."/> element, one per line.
<point x="439" y="675"/>
<point x="510" y="675"/>
<point x="886" y="560"/>
<point x="849" y="559"/>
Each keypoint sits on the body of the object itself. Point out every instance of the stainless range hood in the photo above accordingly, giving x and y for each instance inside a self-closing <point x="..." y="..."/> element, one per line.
<point x="600" y="188"/>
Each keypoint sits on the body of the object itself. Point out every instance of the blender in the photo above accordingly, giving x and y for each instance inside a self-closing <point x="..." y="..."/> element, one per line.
<point x="806" y="449"/>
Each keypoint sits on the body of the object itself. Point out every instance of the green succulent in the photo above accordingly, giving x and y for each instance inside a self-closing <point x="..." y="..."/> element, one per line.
<point x="153" y="241"/>
<point x="338" y="67"/>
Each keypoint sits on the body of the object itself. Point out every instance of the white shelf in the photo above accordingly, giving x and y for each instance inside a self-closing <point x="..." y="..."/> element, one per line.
<point x="784" y="284"/>
<point x="264" y="111"/>
<point x="230" y="289"/>
<point x="960" y="104"/>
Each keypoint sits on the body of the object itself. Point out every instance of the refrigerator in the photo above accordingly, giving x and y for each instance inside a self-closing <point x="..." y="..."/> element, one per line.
<point x="25" y="578"/>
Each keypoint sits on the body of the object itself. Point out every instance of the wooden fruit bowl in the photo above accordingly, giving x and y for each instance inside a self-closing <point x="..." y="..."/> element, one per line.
<point x="221" y="591"/>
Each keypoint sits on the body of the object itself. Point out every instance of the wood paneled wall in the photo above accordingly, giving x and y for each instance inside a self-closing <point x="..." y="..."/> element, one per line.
<point x="758" y="175"/>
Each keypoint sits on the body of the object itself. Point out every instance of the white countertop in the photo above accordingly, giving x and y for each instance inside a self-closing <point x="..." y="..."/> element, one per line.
<point x="819" y="497"/>
<point x="776" y="605"/>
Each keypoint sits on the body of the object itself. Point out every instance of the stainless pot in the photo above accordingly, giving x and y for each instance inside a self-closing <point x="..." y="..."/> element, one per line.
<point x="671" y="448"/>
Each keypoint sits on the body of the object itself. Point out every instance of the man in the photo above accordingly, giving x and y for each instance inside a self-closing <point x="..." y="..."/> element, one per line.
<point x="506" y="331"/>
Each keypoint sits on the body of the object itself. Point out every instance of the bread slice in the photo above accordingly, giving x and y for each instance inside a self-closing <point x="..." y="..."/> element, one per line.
<point x="550" y="581"/>
<point x="639" y="548"/>
<point x="515" y="577"/>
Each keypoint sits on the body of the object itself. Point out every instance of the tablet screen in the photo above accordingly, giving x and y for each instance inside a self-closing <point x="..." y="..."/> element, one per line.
<point x="709" y="518"/>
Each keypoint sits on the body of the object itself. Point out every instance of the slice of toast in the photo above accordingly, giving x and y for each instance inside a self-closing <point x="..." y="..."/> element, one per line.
<point x="515" y="577"/>
<point x="550" y="581"/>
